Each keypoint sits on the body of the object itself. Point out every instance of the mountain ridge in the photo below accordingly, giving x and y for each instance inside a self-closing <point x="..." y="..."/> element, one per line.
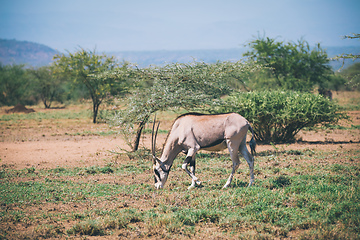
<point x="25" y="52"/>
<point x="36" y="55"/>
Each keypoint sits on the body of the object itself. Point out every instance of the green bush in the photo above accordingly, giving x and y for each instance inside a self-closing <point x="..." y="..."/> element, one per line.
<point x="281" y="181"/>
<point x="352" y="76"/>
<point x="90" y="227"/>
<point x="278" y="116"/>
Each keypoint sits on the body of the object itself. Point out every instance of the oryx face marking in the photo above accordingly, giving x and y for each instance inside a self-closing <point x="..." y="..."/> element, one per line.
<point x="157" y="176"/>
<point x="160" y="175"/>
<point x="192" y="132"/>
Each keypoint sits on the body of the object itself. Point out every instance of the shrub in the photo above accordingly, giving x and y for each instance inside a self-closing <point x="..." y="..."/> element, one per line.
<point x="90" y="227"/>
<point x="278" y="116"/>
<point x="191" y="217"/>
<point x="281" y="181"/>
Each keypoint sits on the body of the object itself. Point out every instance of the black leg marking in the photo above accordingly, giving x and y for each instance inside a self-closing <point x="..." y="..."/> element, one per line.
<point x="192" y="164"/>
<point x="188" y="160"/>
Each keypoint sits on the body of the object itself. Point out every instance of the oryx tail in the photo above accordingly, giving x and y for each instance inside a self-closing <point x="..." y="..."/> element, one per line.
<point x="252" y="142"/>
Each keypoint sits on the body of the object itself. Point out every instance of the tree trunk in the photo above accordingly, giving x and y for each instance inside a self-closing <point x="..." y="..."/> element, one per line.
<point x="138" y="134"/>
<point x="95" y="110"/>
<point x="47" y="106"/>
<point x="44" y="100"/>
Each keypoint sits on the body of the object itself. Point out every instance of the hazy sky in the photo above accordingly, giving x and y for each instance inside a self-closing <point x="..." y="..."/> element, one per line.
<point x="111" y="25"/>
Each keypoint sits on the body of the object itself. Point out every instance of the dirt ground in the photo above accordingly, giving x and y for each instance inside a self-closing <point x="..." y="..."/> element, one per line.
<point x="47" y="144"/>
<point x="69" y="143"/>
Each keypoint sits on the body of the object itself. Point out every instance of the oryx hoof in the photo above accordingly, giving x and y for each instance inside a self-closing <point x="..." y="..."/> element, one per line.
<point x="193" y="184"/>
<point x="226" y="185"/>
<point x="251" y="184"/>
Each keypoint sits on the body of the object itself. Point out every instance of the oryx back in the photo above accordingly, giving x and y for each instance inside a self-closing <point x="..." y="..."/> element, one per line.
<point x="209" y="131"/>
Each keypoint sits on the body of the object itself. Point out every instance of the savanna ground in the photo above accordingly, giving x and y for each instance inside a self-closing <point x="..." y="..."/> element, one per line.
<point x="63" y="177"/>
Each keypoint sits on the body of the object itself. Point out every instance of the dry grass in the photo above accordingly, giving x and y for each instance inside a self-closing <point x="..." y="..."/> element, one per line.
<point x="59" y="180"/>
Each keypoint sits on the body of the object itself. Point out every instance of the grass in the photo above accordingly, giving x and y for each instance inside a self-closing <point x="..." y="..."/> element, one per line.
<point x="349" y="100"/>
<point x="51" y="114"/>
<point x="307" y="197"/>
<point x="93" y="133"/>
<point x="300" y="194"/>
<point x="333" y="127"/>
<point x="72" y="122"/>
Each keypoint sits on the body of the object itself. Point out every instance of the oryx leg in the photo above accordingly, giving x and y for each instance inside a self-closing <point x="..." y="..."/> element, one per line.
<point x="192" y="170"/>
<point x="190" y="160"/>
<point x="249" y="159"/>
<point x="233" y="147"/>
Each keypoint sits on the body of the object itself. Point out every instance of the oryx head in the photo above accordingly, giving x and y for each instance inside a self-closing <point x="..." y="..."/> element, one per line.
<point x="161" y="172"/>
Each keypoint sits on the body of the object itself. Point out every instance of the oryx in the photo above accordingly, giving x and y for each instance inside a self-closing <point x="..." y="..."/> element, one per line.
<point x="192" y="132"/>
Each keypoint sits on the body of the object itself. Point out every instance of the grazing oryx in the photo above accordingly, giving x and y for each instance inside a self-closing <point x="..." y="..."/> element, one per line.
<point x="192" y="132"/>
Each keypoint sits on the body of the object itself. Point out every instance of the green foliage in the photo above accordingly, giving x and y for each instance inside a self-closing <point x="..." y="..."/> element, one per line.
<point x="352" y="73"/>
<point x="295" y="66"/>
<point x="84" y="67"/>
<point x="261" y="80"/>
<point x="278" y="116"/>
<point x="46" y="85"/>
<point x="174" y="86"/>
<point x="352" y="76"/>
<point x="348" y="55"/>
<point x="334" y="82"/>
<point x="14" y="87"/>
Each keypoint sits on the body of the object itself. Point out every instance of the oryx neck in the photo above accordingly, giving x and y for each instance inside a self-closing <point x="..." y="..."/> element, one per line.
<point x="169" y="153"/>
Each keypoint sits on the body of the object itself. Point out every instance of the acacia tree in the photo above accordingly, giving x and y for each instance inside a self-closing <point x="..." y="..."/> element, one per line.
<point x="348" y="55"/>
<point x="351" y="74"/>
<point x="84" y="66"/>
<point x="46" y="85"/>
<point x="13" y="85"/>
<point x="186" y="86"/>
<point x="295" y="66"/>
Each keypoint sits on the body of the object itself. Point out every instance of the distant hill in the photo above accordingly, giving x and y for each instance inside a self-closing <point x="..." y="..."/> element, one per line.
<point x="146" y="58"/>
<point x="23" y="52"/>
<point x="34" y="54"/>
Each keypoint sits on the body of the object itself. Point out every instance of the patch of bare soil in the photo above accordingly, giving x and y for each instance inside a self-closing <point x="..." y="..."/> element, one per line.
<point x="74" y="142"/>
<point x="47" y="144"/>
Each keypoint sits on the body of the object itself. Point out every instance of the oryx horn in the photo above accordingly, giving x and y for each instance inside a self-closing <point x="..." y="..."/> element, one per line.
<point x="153" y="141"/>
